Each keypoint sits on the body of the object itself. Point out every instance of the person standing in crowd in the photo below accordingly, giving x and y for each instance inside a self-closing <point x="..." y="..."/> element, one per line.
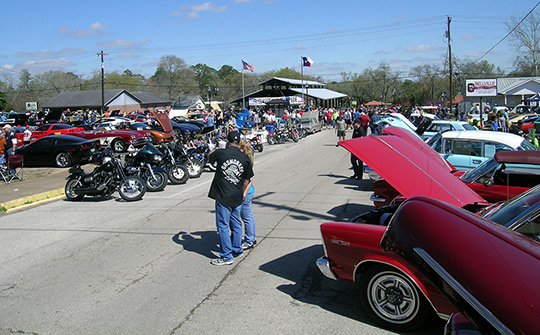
<point x="364" y="123"/>
<point x="357" y="164"/>
<point x="376" y="117"/>
<point x="340" y="129"/>
<point x="502" y="121"/>
<point x="2" y="147"/>
<point x="27" y="135"/>
<point x="11" y="141"/>
<point x="233" y="174"/>
<point x="246" y="213"/>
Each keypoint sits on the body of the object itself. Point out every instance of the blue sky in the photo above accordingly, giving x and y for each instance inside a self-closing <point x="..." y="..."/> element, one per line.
<point x="337" y="35"/>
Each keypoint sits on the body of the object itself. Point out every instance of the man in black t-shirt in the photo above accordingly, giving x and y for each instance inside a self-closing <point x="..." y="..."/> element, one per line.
<point x="357" y="164"/>
<point x="233" y="174"/>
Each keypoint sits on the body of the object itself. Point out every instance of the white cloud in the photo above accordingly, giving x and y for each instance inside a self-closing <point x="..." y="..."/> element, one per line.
<point x="299" y="47"/>
<point x="50" y="53"/>
<point x="470" y="36"/>
<point x="41" y="66"/>
<point x="423" y="48"/>
<point x="474" y="54"/>
<point x="129" y="55"/>
<point x="193" y="11"/>
<point x="94" y="29"/>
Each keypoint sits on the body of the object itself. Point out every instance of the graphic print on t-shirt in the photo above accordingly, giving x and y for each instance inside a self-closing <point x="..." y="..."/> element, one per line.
<point x="232" y="170"/>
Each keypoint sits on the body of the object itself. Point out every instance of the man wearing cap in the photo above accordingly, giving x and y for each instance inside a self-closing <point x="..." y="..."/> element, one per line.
<point x="232" y="176"/>
<point x="11" y="141"/>
<point x="357" y="164"/>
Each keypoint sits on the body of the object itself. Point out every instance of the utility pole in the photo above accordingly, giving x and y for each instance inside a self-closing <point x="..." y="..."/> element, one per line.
<point x="102" y="81"/>
<point x="450" y="63"/>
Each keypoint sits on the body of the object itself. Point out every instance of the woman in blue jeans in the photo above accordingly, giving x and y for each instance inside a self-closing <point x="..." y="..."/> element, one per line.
<point x="246" y="214"/>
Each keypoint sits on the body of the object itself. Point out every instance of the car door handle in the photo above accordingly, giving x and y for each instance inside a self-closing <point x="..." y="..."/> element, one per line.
<point x="476" y="161"/>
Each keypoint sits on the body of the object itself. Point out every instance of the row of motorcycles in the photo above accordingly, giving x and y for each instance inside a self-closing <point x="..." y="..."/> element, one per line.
<point x="284" y="134"/>
<point x="147" y="169"/>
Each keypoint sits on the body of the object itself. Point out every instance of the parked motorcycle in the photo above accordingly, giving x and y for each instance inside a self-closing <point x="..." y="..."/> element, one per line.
<point x="201" y="154"/>
<point x="179" y="154"/>
<point x="147" y="162"/>
<point x="178" y="170"/>
<point x="109" y="176"/>
<point x="256" y="143"/>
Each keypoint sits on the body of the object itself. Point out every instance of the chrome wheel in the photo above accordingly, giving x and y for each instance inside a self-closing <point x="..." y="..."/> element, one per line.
<point x="392" y="300"/>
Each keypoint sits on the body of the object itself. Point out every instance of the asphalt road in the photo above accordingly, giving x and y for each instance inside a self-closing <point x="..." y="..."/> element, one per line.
<point x="104" y="266"/>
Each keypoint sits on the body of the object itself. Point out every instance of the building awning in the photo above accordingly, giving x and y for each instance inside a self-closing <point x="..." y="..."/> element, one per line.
<point x="320" y="93"/>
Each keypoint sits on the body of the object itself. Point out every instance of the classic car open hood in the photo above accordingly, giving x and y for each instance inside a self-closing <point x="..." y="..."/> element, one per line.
<point x="487" y="271"/>
<point x="411" y="166"/>
<point x="164" y="121"/>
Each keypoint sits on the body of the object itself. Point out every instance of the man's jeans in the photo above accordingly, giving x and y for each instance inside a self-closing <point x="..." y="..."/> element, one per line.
<point x="249" y="220"/>
<point x="230" y="239"/>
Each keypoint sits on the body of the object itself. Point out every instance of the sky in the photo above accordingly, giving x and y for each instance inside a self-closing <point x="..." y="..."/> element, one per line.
<point x="338" y="35"/>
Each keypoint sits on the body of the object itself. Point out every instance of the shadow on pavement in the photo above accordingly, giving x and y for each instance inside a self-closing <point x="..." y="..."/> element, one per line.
<point x="201" y="242"/>
<point x="312" y="287"/>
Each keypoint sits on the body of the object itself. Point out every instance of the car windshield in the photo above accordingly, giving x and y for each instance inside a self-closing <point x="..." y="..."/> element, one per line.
<point x="512" y="209"/>
<point x="525" y="145"/>
<point x="481" y="169"/>
<point x="467" y="126"/>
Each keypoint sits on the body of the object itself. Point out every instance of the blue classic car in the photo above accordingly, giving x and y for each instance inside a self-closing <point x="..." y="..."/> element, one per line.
<point x="465" y="150"/>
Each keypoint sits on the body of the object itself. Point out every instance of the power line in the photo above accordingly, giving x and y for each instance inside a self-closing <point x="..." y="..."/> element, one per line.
<point x="509" y="33"/>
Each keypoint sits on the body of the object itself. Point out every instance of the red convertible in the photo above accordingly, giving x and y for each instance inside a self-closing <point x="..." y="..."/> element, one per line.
<point x="489" y="272"/>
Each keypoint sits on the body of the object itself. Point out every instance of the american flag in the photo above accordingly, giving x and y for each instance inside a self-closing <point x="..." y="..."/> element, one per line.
<point x="247" y="66"/>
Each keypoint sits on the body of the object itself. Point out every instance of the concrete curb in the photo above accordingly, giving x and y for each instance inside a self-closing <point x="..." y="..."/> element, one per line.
<point x="32" y="200"/>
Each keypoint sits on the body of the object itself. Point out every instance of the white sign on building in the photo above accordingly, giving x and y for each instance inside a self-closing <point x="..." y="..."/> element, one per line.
<point x="481" y="87"/>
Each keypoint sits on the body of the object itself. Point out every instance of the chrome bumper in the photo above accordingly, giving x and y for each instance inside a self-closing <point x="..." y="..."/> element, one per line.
<point x="324" y="267"/>
<point x="375" y="198"/>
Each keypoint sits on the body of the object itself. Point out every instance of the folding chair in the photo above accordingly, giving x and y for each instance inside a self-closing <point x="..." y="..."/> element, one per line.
<point x="4" y="172"/>
<point x="15" y="166"/>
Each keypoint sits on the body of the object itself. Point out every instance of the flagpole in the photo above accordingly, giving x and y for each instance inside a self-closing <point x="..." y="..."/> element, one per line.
<point x="243" y="92"/>
<point x="302" y="71"/>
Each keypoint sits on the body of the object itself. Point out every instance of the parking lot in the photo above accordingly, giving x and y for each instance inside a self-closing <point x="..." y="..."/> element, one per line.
<point x="104" y="266"/>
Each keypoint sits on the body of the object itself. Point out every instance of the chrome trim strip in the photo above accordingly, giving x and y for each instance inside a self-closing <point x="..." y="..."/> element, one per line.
<point x="481" y="309"/>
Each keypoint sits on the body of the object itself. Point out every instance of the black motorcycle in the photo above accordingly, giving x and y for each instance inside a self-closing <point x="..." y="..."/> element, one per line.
<point x="201" y="154"/>
<point x="109" y="176"/>
<point x="177" y="170"/>
<point x="180" y="155"/>
<point x="147" y="162"/>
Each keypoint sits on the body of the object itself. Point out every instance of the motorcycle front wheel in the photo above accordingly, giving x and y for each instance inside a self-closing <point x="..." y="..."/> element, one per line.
<point x="69" y="190"/>
<point x="195" y="169"/>
<point x="178" y="174"/>
<point x="260" y="147"/>
<point x="132" y="189"/>
<point x="157" y="182"/>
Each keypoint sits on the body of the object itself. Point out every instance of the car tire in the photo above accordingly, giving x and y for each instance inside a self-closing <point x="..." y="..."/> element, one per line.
<point x="152" y="138"/>
<point x="392" y="300"/>
<point x="63" y="159"/>
<point x="118" y="145"/>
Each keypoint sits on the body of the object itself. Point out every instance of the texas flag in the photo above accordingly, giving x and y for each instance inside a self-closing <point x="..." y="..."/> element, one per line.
<point x="306" y="61"/>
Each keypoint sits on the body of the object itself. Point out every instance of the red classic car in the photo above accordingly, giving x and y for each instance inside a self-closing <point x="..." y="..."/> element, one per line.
<point x="487" y="271"/>
<point x="54" y="129"/>
<point x="119" y="140"/>
<point x="500" y="178"/>
<point x="393" y="294"/>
